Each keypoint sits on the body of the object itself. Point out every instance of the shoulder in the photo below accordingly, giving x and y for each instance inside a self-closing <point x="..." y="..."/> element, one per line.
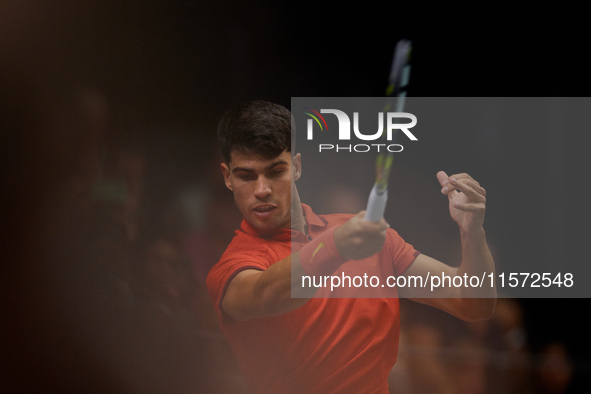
<point x="401" y="252"/>
<point x="393" y="236"/>
<point x="245" y="244"/>
<point x="244" y="248"/>
<point x="244" y="252"/>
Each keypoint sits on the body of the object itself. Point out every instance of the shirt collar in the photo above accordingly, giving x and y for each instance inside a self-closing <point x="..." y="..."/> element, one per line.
<point x="311" y="218"/>
<point x="285" y="234"/>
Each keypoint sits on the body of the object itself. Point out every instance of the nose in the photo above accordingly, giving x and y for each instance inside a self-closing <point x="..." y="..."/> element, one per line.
<point x="262" y="187"/>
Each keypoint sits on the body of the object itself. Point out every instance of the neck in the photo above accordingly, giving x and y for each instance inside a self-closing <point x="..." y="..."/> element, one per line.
<point x="298" y="220"/>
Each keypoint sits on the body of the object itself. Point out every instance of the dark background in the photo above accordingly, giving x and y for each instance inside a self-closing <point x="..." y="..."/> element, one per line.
<point x="168" y="71"/>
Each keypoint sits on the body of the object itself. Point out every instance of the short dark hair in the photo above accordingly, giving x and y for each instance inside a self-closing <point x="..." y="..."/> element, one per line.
<point x="258" y="127"/>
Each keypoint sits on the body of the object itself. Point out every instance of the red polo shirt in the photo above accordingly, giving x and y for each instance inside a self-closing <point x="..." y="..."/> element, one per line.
<point x="329" y="345"/>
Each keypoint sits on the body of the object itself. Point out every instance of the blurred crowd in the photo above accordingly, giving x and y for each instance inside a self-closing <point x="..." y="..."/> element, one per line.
<point x="438" y="355"/>
<point x="104" y="291"/>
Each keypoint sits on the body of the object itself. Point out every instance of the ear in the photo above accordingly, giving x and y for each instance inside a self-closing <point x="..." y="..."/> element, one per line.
<point x="296" y="164"/>
<point x="226" y="173"/>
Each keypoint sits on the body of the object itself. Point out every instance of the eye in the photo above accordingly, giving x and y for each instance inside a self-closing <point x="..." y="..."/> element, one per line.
<point x="247" y="177"/>
<point x="276" y="173"/>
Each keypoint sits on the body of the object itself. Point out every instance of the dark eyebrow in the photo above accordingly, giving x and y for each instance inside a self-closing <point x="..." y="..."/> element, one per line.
<point x="277" y="163"/>
<point x="270" y="166"/>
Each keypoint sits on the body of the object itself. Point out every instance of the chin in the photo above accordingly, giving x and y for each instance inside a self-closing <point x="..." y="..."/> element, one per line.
<point x="265" y="227"/>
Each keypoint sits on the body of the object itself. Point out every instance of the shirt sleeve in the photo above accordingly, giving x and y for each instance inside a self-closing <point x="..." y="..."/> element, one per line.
<point x="224" y="271"/>
<point x="403" y="253"/>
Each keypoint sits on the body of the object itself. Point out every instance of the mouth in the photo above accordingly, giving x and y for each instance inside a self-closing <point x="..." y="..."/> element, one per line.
<point x="264" y="208"/>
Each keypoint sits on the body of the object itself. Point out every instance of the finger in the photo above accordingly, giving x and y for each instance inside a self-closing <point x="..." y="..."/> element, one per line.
<point x="476" y="186"/>
<point x="442" y="177"/>
<point x="449" y="190"/>
<point x="372" y="227"/>
<point x="468" y="190"/>
<point x="464" y="187"/>
<point x="451" y="195"/>
<point x="464" y="176"/>
<point x="382" y="225"/>
<point x="470" y="182"/>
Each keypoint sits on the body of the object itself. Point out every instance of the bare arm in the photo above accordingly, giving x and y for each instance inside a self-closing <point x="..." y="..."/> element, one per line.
<point x="467" y="206"/>
<point x="253" y="293"/>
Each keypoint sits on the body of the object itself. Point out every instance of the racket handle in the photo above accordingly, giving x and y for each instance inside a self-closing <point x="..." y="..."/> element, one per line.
<point x="376" y="205"/>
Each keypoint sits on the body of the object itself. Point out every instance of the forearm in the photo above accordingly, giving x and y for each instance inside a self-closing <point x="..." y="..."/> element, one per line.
<point x="278" y="290"/>
<point x="254" y="293"/>
<point x="478" y="301"/>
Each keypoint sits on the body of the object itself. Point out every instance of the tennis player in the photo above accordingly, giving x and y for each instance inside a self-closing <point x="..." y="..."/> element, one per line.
<point x="312" y="344"/>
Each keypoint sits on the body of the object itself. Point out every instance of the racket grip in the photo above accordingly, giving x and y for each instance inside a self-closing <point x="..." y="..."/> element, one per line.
<point x="376" y="205"/>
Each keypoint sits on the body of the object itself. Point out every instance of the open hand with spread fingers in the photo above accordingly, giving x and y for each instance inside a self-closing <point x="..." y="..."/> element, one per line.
<point x="467" y="200"/>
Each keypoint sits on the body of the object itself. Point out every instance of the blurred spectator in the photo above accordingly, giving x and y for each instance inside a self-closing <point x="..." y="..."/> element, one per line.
<point x="555" y="369"/>
<point x="438" y="354"/>
<point x="421" y="366"/>
<point x="77" y="321"/>
<point x="345" y="198"/>
<point x="165" y="276"/>
<point x="206" y="245"/>
<point x="469" y="366"/>
<point x="514" y="364"/>
<point x="509" y="318"/>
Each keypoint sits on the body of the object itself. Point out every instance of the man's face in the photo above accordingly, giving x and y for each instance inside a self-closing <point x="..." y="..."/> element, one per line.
<point x="262" y="188"/>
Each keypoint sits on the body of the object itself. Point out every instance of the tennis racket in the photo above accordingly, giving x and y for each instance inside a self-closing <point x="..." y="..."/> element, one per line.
<point x="396" y="93"/>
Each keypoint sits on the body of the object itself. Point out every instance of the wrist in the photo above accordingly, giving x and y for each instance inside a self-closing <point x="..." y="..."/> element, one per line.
<point x="321" y="255"/>
<point x="476" y="234"/>
<point x="340" y="246"/>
